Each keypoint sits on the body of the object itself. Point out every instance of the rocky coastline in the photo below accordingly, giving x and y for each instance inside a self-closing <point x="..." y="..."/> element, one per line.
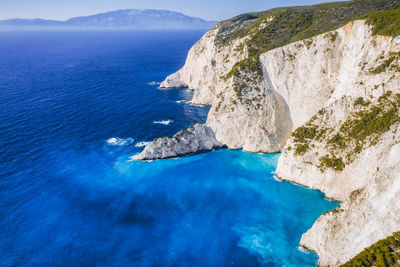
<point x="307" y="99"/>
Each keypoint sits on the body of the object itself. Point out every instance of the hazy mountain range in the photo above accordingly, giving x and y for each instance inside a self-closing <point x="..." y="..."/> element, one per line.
<point x="127" y="18"/>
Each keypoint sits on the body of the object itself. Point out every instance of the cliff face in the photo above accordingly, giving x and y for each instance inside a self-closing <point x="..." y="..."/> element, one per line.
<point x="255" y="119"/>
<point x="297" y="81"/>
<point x="369" y="214"/>
<point x="204" y="66"/>
<point x="341" y="72"/>
<point x="363" y="170"/>
<point x="330" y="104"/>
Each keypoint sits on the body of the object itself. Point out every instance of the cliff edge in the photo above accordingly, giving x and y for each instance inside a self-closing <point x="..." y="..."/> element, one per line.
<point x="328" y="100"/>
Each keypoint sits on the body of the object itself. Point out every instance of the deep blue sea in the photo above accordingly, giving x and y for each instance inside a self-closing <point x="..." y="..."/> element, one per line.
<point x="74" y="106"/>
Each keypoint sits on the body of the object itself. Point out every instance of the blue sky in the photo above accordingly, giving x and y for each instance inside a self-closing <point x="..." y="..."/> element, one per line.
<point x="207" y="9"/>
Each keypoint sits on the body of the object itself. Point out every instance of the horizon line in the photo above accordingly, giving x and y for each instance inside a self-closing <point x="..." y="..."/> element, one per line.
<point x="104" y="12"/>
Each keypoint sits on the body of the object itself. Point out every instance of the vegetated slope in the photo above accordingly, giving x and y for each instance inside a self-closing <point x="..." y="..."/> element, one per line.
<point x="277" y="27"/>
<point x="362" y="129"/>
<point x="371" y="121"/>
<point x="334" y="147"/>
<point x="383" y="253"/>
<point x="385" y="22"/>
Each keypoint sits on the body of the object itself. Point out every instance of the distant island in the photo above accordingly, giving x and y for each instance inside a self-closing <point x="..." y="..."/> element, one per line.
<point x="146" y="19"/>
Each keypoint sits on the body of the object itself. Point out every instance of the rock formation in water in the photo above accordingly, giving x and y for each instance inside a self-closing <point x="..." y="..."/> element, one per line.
<point x="294" y="80"/>
<point x="198" y="138"/>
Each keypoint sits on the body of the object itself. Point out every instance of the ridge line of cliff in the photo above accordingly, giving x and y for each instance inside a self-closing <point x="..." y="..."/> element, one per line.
<point x="305" y="99"/>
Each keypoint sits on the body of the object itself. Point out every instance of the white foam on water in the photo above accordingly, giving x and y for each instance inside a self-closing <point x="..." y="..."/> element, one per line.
<point x="164" y="122"/>
<point x="197" y="105"/>
<point x="190" y="103"/>
<point x="142" y="144"/>
<point x="153" y="83"/>
<point x="135" y="158"/>
<point x="302" y="249"/>
<point x="116" y="141"/>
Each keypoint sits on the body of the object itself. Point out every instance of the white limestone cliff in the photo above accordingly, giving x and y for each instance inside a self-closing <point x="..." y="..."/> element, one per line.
<point x="299" y="79"/>
<point x="369" y="214"/>
<point x="204" y="65"/>
<point x="369" y="187"/>
<point x="324" y="73"/>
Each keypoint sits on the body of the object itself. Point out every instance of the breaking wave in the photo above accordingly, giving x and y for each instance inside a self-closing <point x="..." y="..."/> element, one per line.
<point x="116" y="141"/>
<point x="164" y="122"/>
<point x="154" y="83"/>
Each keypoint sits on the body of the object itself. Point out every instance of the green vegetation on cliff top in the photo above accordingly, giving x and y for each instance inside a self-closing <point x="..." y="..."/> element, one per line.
<point x="280" y="26"/>
<point x="383" y="253"/>
<point x="385" y="22"/>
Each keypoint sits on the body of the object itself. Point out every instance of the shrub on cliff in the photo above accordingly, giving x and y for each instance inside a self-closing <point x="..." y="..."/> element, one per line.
<point x="383" y="253"/>
<point x="280" y="26"/>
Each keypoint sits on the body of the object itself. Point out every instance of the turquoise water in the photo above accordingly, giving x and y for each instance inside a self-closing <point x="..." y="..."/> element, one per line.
<point x="71" y="197"/>
<point x="213" y="209"/>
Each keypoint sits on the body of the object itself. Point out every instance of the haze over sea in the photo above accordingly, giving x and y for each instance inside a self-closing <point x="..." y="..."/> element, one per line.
<point x="74" y="106"/>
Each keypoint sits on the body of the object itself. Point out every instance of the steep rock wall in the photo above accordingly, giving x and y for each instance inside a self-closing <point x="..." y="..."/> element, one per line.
<point x="368" y="185"/>
<point x="316" y="80"/>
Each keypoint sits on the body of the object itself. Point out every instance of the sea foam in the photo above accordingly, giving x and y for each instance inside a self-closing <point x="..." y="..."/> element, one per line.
<point x="153" y="83"/>
<point x="189" y="103"/>
<point x="116" y="141"/>
<point x="164" y="122"/>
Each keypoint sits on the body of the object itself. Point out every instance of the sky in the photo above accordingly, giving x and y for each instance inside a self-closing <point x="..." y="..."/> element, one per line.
<point x="206" y="9"/>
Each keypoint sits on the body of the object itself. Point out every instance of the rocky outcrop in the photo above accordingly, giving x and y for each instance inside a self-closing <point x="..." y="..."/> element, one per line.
<point x="369" y="214"/>
<point x="292" y="89"/>
<point x="205" y="64"/>
<point x="337" y="77"/>
<point x="366" y="179"/>
<point x="256" y="119"/>
<point x="197" y="138"/>
<point x="310" y="86"/>
<point x="172" y="82"/>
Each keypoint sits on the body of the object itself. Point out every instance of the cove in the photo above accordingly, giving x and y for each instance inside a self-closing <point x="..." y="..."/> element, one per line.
<point x="222" y="208"/>
<point x="225" y="208"/>
<point x="74" y="106"/>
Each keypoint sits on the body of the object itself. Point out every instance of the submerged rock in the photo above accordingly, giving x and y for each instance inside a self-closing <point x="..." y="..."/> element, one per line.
<point x="197" y="138"/>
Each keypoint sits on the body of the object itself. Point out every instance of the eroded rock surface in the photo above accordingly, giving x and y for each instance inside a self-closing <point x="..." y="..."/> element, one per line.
<point x="197" y="138"/>
<point x="258" y="106"/>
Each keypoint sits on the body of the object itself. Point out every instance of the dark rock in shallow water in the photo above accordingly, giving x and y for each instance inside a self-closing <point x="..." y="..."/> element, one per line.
<point x="198" y="138"/>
